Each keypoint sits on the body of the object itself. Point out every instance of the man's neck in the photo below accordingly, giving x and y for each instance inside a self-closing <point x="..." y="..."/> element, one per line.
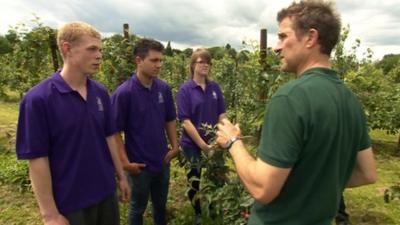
<point x="322" y="61"/>
<point x="144" y="79"/>
<point x="75" y="79"/>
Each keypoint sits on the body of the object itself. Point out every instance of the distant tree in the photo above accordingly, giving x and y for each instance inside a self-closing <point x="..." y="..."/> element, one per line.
<point x="342" y="60"/>
<point x="5" y="46"/>
<point x="12" y="36"/>
<point x="217" y="53"/>
<point x="389" y="62"/>
<point x="394" y="74"/>
<point x="188" y="52"/>
<point x="168" y="50"/>
<point x="176" y="51"/>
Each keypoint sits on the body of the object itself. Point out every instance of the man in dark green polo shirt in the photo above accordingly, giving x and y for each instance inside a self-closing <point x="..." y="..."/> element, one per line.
<point x="315" y="140"/>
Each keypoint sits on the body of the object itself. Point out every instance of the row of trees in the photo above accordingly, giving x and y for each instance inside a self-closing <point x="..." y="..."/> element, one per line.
<point x="25" y="59"/>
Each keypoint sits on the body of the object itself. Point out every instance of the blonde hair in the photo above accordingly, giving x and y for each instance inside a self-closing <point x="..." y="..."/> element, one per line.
<point x="73" y="31"/>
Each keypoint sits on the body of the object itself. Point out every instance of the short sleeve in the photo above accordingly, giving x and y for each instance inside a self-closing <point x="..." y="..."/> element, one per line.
<point x="119" y="109"/>
<point x="281" y="138"/>
<point x="33" y="139"/>
<point x="170" y="106"/>
<point x="221" y="101"/>
<point x="183" y="104"/>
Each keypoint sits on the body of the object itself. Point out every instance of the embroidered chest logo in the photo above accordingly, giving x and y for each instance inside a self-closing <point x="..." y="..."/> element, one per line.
<point x="214" y="95"/>
<point x="160" y="98"/>
<point x="99" y="104"/>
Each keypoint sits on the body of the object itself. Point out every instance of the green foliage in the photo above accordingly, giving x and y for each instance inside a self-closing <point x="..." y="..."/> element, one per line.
<point x="30" y="61"/>
<point x="175" y="71"/>
<point x="392" y="193"/>
<point x="342" y="60"/>
<point x="5" y="46"/>
<point x="118" y="63"/>
<point x="394" y="74"/>
<point x="14" y="172"/>
<point x="380" y="97"/>
<point x="389" y="62"/>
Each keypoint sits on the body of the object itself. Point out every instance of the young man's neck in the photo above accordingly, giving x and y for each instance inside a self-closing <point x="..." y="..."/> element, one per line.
<point x="144" y="79"/>
<point x="75" y="79"/>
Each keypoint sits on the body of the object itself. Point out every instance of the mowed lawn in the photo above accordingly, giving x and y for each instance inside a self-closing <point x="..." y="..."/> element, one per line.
<point x="365" y="204"/>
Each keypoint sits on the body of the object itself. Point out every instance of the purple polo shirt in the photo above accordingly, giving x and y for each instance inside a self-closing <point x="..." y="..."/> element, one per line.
<point x="199" y="107"/>
<point x="56" y="122"/>
<point x="142" y="113"/>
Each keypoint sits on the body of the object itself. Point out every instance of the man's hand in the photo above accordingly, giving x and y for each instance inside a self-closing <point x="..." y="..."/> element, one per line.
<point x="226" y="131"/>
<point x="124" y="188"/>
<point x="56" y="219"/>
<point x="133" y="168"/>
<point x="170" y="155"/>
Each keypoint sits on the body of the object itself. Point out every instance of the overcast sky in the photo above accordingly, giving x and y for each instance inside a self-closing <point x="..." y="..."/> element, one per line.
<point x="206" y="23"/>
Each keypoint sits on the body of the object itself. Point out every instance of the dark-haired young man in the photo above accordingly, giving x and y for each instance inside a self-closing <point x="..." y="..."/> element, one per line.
<point x="144" y="111"/>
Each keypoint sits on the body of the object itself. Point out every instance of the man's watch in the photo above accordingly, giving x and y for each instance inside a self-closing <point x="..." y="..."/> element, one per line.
<point x="230" y="142"/>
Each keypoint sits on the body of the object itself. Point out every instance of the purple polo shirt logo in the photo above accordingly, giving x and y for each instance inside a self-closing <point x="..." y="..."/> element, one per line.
<point x="214" y="95"/>
<point x="160" y="98"/>
<point x="100" y="104"/>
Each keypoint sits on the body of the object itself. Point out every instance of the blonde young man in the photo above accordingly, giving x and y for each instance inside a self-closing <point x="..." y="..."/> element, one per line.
<point x="315" y="140"/>
<point x="64" y="130"/>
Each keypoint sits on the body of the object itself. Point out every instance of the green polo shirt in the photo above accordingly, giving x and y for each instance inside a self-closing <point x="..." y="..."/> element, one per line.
<point x="314" y="125"/>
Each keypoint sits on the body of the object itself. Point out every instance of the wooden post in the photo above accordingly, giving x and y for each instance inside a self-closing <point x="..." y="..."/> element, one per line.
<point x="263" y="91"/>
<point x="126" y="31"/>
<point x="53" y="48"/>
<point x="263" y="48"/>
<point x="263" y="61"/>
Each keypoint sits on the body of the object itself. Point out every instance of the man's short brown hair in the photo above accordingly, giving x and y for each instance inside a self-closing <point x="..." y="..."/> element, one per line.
<point x="314" y="14"/>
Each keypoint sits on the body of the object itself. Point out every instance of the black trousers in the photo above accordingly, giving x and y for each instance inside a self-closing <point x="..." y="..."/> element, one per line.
<point x="105" y="212"/>
<point x="342" y="214"/>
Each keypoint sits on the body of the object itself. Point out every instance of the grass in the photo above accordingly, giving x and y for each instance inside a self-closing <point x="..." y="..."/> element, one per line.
<point x="365" y="205"/>
<point x="17" y="208"/>
<point x="8" y="112"/>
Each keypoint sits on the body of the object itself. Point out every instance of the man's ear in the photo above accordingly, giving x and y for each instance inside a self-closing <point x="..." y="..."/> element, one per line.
<point x="312" y="37"/>
<point x="65" y="47"/>
<point x="137" y="60"/>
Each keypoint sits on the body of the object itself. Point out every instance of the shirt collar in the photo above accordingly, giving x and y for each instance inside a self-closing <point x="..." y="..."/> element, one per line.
<point x="193" y="84"/>
<point x="326" y="72"/>
<point x="137" y="82"/>
<point x="61" y="85"/>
